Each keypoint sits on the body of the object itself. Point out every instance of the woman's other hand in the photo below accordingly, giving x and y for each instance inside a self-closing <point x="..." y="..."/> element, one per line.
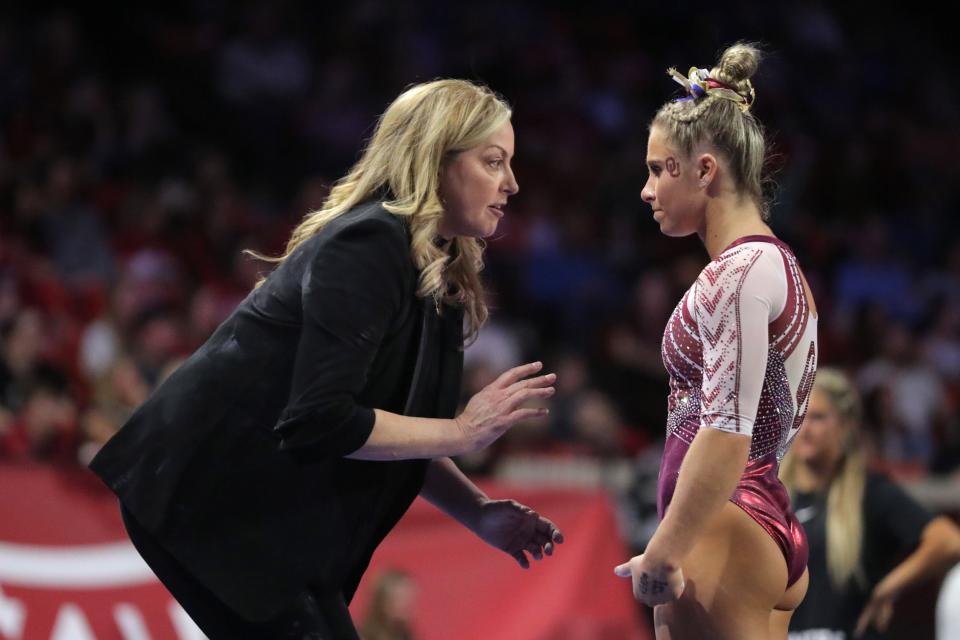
<point x="517" y="530"/>
<point x="498" y="406"/>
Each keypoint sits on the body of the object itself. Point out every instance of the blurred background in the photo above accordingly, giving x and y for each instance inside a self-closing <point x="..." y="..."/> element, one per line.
<point x="143" y="147"/>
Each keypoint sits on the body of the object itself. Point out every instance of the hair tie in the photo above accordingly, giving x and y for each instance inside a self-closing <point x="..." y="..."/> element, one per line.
<point x="698" y="83"/>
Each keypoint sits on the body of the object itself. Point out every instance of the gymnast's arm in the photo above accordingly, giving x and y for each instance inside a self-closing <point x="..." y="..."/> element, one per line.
<point x="708" y="477"/>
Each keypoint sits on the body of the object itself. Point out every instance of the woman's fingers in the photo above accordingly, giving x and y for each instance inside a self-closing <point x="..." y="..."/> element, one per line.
<point x="526" y="414"/>
<point x="884" y="615"/>
<point x="547" y="527"/>
<point x="529" y="394"/>
<point x="494" y="410"/>
<point x="523" y="395"/>
<point x="866" y="617"/>
<point x="877" y="613"/>
<point x="510" y="376"/>
<point x="533" y="383"/>
<point x="534" y="550"/>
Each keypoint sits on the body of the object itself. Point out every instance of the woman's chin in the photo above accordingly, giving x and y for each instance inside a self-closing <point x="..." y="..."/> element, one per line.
<point x="489" y="229"/>
<point x="671" y="231"/>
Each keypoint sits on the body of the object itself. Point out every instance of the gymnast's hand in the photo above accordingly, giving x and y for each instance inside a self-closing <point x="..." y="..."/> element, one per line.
<point x="497" y="407"/>
<point x="515" y="529"/>
<point x="652" y="585"/>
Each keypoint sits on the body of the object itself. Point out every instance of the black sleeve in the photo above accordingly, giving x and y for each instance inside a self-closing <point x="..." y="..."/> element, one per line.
<point x="894" y="512"/>
<point x="351" y="290"/>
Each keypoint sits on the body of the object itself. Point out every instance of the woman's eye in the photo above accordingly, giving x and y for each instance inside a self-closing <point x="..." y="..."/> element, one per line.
<point x="495" y="163"/>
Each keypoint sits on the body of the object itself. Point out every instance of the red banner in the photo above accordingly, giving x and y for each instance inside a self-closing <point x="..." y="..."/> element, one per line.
<point x="68" y="572"/>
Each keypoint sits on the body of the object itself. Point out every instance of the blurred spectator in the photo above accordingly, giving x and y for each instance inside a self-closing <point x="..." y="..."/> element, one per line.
<point x="73" y="231"/>
<point x="869" y="541"/>
<point x="912" y="394"/>
<point x="21" y="353"/>
<point x="118" y="391"/>
<point x="390" y="613"/>
<point x="158" y="338"/>
<point x="45" y="427"/>
<point x="876" y="273"/>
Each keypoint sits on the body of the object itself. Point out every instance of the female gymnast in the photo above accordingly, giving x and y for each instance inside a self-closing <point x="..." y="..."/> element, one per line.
<point x="728" y="559"/>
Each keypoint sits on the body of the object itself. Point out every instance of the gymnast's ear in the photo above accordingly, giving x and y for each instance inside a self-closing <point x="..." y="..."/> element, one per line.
<point x="706" y="168"/>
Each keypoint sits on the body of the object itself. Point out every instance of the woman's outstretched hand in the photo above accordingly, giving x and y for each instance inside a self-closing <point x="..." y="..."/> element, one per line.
<point x="517" y="530"/>
<point x="498" y="406"/>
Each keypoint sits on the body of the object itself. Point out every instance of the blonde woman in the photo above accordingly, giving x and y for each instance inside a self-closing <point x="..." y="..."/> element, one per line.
<point x="858" y="523"/>
<point x="728" y="558"/>
<point x="258" y="479"/>
<point x="390" y="612"/>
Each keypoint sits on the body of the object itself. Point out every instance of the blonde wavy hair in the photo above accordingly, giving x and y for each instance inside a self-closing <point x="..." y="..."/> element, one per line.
<point x="728" y="126"/>
<point x="425" y="126"/>
<point x="845" y="495"/>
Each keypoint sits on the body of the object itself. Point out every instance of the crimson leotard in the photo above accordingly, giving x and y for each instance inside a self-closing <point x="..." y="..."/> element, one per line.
<point x="741" y="351"/>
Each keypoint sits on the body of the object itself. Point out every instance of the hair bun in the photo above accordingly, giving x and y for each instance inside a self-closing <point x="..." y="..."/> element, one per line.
<point x="738" y="64"/>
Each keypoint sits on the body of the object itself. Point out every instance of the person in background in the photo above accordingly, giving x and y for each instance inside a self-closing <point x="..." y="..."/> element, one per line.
<point x="390" y="613"/>
<point x="858" y="523"/>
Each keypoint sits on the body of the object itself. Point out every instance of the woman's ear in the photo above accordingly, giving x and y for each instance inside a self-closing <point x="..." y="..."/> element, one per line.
<point x="706" y="169"/>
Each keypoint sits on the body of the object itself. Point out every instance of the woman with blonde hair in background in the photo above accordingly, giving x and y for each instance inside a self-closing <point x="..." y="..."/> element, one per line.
<point x="728" y="559"/>
<point x="257" y="480"/>
<point x="390" y="613"/>
<point x="858" y="523"/>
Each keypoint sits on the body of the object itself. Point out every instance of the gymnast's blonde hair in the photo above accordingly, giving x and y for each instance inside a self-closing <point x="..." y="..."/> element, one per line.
<point x="845" y="496"/>
<point x="717" y="113"/>
<point x="426" y="125"/>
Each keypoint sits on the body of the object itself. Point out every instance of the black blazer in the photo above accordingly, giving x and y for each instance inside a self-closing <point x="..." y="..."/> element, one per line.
<point x="236" y="462"/>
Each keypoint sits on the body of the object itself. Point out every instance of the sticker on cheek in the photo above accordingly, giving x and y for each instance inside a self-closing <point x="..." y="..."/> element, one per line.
<point x="673" y="167"/>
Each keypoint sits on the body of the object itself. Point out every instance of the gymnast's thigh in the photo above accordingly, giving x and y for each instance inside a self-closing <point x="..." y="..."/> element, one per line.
<point x="735" y="576"/>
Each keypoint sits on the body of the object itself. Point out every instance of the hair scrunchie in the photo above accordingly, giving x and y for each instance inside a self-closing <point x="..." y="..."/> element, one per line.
<point x="698" y="83"/>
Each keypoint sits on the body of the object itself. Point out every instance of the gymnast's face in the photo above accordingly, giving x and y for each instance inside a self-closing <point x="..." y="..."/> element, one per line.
<point x="819" y="443"/>
<point x="672" y="188"/>
<point x="475" y="185"/>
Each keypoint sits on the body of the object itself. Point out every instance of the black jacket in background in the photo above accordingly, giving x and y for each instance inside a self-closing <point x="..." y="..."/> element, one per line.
<point x="236" y="462"/>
